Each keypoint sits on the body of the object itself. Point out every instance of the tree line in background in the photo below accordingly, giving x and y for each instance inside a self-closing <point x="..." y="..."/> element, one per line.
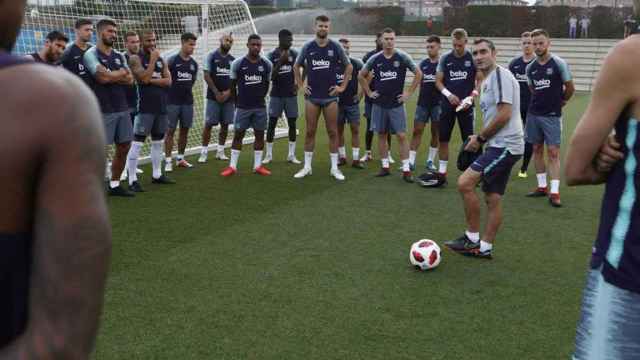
<point x="495" y="21"/>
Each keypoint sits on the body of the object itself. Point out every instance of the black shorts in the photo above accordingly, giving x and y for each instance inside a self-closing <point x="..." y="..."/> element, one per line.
<point x="448" y="119"/>
<point x="495" y="166"/>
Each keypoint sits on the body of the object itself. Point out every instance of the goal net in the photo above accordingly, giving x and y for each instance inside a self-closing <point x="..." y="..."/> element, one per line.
<point x="207" y="19"/>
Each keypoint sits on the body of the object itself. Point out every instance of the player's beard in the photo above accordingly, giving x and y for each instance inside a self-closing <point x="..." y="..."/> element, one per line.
<point x="541" y="53"/>
<point x="50" y="57"/>
<point x="322" y="34"/>
<point x="108" y="41"/>
<point x="225" y="48"/>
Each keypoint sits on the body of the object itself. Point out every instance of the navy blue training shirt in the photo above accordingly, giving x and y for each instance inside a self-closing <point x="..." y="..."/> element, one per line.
<point x="284" y="83"/>
<point x="183" y="75"/>
<point x="389" y="75"/>
<point x="320" y="63"/>
<point x="252" y="80"/>
<point x="112" y="97"/>
<point x="548" y="86"/>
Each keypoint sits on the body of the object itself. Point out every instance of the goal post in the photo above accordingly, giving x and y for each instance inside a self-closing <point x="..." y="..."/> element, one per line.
<point x="207" y="19"/>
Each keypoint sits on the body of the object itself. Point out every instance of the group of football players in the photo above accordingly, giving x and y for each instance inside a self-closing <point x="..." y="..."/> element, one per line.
<point x="142" y="94"/>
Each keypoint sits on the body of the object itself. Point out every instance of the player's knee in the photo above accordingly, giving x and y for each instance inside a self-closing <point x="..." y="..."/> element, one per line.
<point x="123" y="148"/>
<point x="554" y="153"/>
<point x="465" y="184"/>
<point x="538" y="149"/>
<point x="492" y="200"/>
<point x="238" y="135"/>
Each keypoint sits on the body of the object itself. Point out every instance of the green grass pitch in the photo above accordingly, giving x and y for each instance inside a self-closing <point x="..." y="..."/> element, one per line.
<point x="254" y="267"/>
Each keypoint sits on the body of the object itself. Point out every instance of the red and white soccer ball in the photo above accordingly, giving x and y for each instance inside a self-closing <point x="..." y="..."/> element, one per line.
<point x="425" y="254"/>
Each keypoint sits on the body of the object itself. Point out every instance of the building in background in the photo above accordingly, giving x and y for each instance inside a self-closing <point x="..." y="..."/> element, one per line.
<point x="585" y="3"/>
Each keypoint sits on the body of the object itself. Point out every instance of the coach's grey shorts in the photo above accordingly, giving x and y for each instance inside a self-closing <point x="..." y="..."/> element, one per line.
<point x="322" y="102"/>
<point x="150" y="124"/>
<point x="495" y="166"/>
<point x="543" y="129"/>
<point x="609" y="326"/>
<point x="250" y="118"/>
<point x="349" y="114"/>
<point x="118" y="128"/>
<point x="426" y="114"/>
<point x="384" y="120"/>
<point x="219" y="113"/>
<point x="287" y="104"/>
<point x="182" y="114"/>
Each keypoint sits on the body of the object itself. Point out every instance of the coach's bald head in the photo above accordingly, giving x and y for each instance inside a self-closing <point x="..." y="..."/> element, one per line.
<point x="11" y="15"/>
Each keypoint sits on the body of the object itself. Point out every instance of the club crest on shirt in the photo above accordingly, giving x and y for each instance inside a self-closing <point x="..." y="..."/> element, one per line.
<point x="260" y="68"/>
<point x="290" y="59"/>
<point x="330" y="52"/>
<point x="396" y="63"/>
<point x="159" y="63"/>
<point x="467" y="63"/>
<point x="193" y="68"/>
<point x="549" y="71"/>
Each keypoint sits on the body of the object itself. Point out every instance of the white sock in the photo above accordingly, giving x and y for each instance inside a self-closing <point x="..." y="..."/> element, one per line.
<point x="156" y="158"/>
<point x="114" y="184"/>
<point x="235" y="154"/>
<point x="308" y="158"/>
<point x="555" y="186"/>
<point x="473" y="236"/>
<point x="269" y="150"/>
<point x="220" y="149"/>
<point x="167" y="159"/>
<point x="485" y="246"/>
<point x="406" y="165"/>
<point x="432" y="153"/>
<point x="442" y="166"/>
<point x="292" y="149"/>
<point x="134" y="152"/>
<point x="342" y="151"/>
<point x="205" y="150"/>
<point x="257" y="159"/>
<point x="356" y="153"/>
<point x="542" y="180"/>
<point x="180" y="157"/>
<point x="385" y="163"/>
<point x="412" y="157"/>
<point x="334" y="161"/>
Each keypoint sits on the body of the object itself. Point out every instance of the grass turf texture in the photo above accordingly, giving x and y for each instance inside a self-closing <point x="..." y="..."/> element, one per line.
<point x="252" y="267"/>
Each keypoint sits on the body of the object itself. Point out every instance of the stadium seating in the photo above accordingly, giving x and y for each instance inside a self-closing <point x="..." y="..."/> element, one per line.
<point x="583" y="56"/>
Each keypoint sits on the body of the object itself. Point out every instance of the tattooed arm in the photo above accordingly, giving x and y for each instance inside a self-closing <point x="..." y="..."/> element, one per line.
<point x="71" y="231"/>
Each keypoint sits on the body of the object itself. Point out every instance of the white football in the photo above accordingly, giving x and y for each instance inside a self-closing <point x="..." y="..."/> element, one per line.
<point x="425" y="254"/>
